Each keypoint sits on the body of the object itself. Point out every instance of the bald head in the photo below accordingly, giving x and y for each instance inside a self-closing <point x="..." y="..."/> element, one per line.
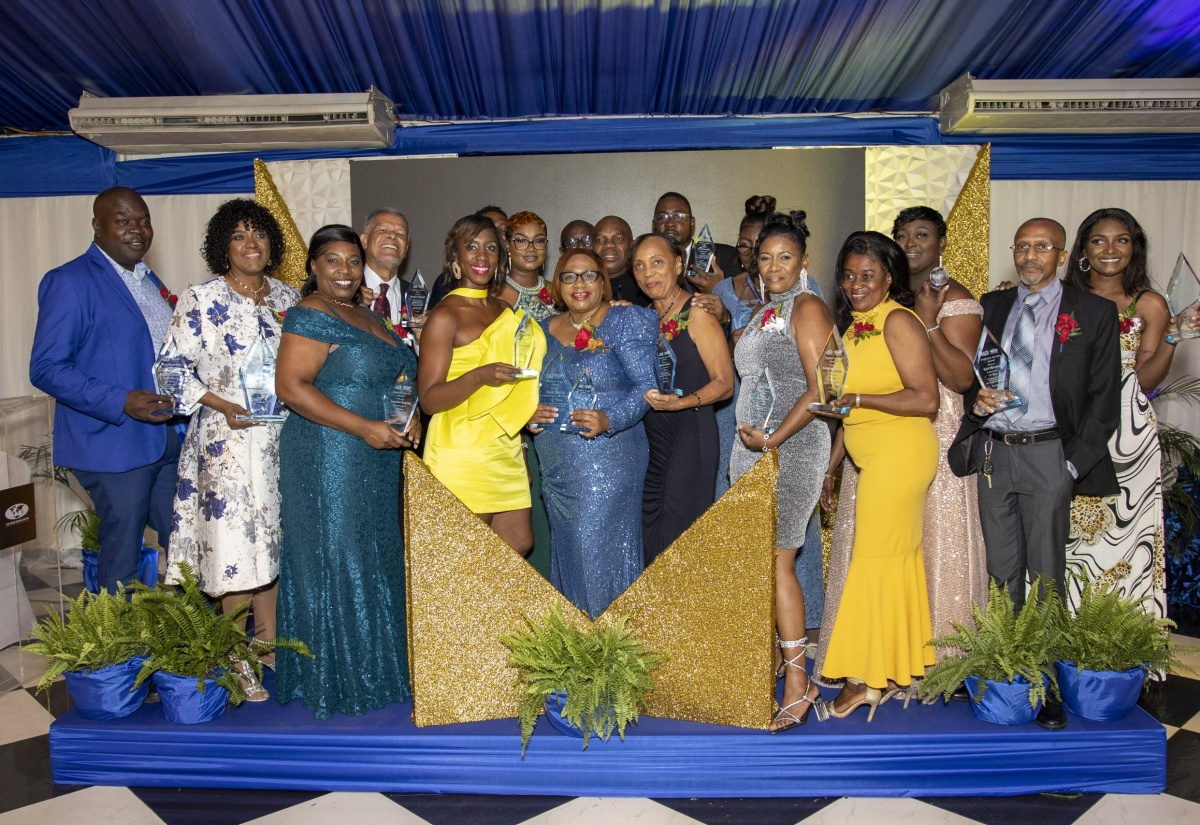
<point x="121" y="221"/>
<point x="1039" y="249"/>
<point x="611" y="241"/>
<point x="1046" y="225"/>
<point x="576" y="235"/>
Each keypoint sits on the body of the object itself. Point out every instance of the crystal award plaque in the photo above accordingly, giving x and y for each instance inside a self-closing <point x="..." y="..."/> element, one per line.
<point x="939" y="276"/>
<point x="400" y="403"/>
<point x="762" y="403"/>
<point x="991" y="368"/>
<point x="524" y="340"/>
<point x="581" y="397"/>
<point x="553" y="388"/>
<point x="258" y="384"/>
<point x="831" y="377"/>
<point x="1183" y="296"/>
<point x="171" y="371"/>
<point x="416" y="301"/>
<point x="704" y="249"/>
<point x="664" y="367"/>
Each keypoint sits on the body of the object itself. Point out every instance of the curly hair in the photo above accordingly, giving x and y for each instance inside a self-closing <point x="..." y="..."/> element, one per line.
<point x="466" y="228"/>
<point x="556" y="286"/>
<point x="919" y="213"/>
<point x="321" y="240"/>
<point x="224" y="222"/>
<point x="520" y="219"/>
<point x="888" y="254"/>
<point x="1136" y="276"/>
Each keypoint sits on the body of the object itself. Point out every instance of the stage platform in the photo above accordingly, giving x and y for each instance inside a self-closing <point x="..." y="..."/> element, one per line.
<point x="941" y="750"/>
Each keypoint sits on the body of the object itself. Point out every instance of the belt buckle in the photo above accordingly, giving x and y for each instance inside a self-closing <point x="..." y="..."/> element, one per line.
<point x="1017" y="439"/>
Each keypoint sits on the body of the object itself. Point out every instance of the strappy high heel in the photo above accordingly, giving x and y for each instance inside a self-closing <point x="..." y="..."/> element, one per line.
<point x="871" y="697"/>
<point x="818" y="705"/>
<point x="255" y="692"/>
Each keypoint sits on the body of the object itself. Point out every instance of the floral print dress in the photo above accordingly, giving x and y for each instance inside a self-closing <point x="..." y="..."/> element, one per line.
<point x="226" y="523"/>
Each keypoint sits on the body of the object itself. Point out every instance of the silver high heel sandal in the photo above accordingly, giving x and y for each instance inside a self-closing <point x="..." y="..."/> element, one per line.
<point x="255" y="692"/>
<point x="785" y="713"/>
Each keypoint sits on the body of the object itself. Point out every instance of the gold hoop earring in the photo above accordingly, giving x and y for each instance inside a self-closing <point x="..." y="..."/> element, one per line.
<point x="457" y="270"/>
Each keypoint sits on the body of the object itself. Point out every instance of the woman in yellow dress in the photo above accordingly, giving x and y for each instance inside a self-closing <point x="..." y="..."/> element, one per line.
<point x="467" y="381"/>
<point x="877" y="643"/>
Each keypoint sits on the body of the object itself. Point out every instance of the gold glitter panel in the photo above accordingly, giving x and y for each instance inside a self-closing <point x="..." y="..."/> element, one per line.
<point x="291" y="269"/>
<point x="708" y="601"/>
<point x="466" y="590"/>
<point x="967" y="227"/>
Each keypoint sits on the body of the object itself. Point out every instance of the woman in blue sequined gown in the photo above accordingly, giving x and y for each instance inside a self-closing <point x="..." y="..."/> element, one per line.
<point x="592" y="481"/>
<point x="341" y="579"/>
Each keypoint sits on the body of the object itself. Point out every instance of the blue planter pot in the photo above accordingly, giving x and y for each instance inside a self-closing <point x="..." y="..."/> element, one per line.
<point x="1004" y="703"/>
<point x="183" y="704"/>
<point x="107" y="692"/>
<point x="555" y="703"/>
<point x="147" y="571"/>
<point x="1103" y="695"/>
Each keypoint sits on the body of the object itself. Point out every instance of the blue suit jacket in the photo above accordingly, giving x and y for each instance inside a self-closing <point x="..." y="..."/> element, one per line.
<point x="90" y="349"/>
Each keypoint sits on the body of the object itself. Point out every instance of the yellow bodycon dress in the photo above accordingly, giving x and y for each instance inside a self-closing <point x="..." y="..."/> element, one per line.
<point x="883" y="622"/>
<point x="475" y="448"/>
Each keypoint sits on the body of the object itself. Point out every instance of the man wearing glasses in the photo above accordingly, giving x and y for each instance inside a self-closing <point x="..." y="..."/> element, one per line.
<point x="673" y="217"/>
<point x="1064" y="367"/>
<point x="576" y="235"/>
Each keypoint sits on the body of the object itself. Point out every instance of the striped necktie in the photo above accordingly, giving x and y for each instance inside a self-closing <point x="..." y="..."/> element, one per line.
<point x="1020" y="368"/>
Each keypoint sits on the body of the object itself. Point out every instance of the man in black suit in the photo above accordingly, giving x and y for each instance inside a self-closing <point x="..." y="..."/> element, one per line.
<point x="1065" y="364"/>
<point x="613" y="241"/>
<point x="673" y="217"/>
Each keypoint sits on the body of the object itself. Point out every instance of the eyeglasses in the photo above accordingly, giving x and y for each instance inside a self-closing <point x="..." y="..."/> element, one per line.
<point x="671" y="217"/>
<point x="520" y="242"/>
<point x="579" y="242"/>
<point x="1039" y="248"/>
<point x="589" y="276"/>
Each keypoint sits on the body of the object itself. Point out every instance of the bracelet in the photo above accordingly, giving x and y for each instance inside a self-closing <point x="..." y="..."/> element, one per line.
<point x="933" y="328"/>
<point x="830" y="475"/>
<point x="857" y="400"/>
<point x="765" y="437"/>
<point x="699" y="403"/>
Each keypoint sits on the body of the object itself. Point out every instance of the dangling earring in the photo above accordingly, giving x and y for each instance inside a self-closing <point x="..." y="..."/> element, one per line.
<point x="762" y="290"/>
<point x="457" y="270"/>
<point x="803" y="279"/>
<point x="1085" y="265"/>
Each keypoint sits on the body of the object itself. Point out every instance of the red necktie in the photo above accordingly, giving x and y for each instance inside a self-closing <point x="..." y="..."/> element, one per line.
<point x="382" y="306"/>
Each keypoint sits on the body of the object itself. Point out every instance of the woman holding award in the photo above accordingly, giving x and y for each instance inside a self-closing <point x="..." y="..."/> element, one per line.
<point x="598" y="368"/>
<point x="524" y="287"/>
<point x="1120" y="537"/>
<point x="226" y="524"/>
<point x="681" y="426"/>
<point x="877" y="642"/>
<point x="341" y="578"/>
<point x="479" y="398"/>
<point x="777" y="356"/>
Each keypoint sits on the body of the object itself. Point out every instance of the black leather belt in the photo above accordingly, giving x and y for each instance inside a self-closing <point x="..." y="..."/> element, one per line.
<point x="1021" y="439"/>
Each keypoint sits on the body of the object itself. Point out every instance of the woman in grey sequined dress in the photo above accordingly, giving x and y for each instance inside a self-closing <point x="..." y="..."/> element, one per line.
<point x="786" y="336"/>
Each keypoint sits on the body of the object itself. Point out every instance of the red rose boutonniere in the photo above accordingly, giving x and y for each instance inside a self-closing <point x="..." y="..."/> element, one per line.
<point x="674" y="325"/>
<point x="862" y="330"/>
<point x="544" y="297"/>
<point x="1067" y="328"/>
<point x="279" y="316"/>
<point x="1129" y="321"/>
<point x="771" y="320"/>
<point x="587" y="339"/>
<point x="401" y="332"/>
<point x="169" y="296"/>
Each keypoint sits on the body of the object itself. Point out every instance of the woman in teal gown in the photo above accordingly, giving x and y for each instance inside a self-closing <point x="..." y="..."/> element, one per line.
<point x="341" y="582"/>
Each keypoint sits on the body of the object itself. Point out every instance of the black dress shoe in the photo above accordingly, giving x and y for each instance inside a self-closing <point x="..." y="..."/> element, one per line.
<point x="961" y="694"/>
<point x="1052" y="716"/>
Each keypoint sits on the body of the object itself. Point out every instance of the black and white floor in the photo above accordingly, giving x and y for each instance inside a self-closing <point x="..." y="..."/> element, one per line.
<point x="28" y="796"/>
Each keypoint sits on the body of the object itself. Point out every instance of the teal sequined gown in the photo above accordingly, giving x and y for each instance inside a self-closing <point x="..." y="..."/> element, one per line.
<point x="341" y="576"/>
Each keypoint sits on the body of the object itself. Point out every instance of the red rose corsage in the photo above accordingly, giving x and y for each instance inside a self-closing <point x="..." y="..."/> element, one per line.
<point x="587" y="339"/>
<point x="1067" y="328"/>
<point x="863" y="330"/>
<point x="544" y="297"/>
<point x="674" y="325"/>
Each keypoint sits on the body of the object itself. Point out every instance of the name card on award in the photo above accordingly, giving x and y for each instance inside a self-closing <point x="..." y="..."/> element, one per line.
<point x="581" y="397"/>
<point x="761" y="403"/>
<point x="171" y="371"/>
<point x="704" y="249"/>
<point x="553" y="388"/>
<point x="400" y="403"/>
<point x="524" y="341"/>
<point x="832" y="366"/>
<point x="991" y="368"/>
<point x="664" y="367"/>
<point x="1183" y="296"/>
<point x="257" y="373"/>
<point x="416" y="300"/>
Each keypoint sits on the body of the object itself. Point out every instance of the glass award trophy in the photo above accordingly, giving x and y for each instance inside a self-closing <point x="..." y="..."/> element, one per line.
<point x="991" y="368"/>
<point x="762" y="403"/>
<point x="704" y="249"/>
<point x="416" y="301"/>
<point x="581" y="397"/>
<point x="258" y="384"/>
<point x="171" y="372"/>
<point x="664" y="367"/>
<point x="524" y="340"/>
<point x="400" y="403"/>
<point x="831" y="377"/>
<point x="1183" y="296"/>
<point x="939" y="276"/>
<point x="553" y="389"/>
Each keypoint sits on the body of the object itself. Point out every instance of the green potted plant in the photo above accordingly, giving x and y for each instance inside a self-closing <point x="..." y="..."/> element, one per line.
<point x="1004" y="660"/>
<point x="100" y="650"/>
<point x="194" y="650"/>
<point x="1105" y="650"/>
<point x="589" y="683"/>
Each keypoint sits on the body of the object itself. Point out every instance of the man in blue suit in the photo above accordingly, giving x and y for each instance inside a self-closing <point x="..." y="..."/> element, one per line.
<point x="101" y="320"/>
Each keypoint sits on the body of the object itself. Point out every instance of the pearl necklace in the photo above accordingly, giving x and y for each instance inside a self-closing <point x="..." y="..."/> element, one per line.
<point x="254" y="293"/>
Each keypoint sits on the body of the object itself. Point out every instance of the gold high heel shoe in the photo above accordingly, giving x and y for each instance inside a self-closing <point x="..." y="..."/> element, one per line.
<point x="871" y="697"/>
<point x="785" y="714"/>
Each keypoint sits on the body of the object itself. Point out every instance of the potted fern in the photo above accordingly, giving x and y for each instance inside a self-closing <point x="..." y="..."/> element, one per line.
<point x="588" y="683"/>
<point x="1106" y="649"/>
<point x="1005" y="659"/>
<point x="194" y="650"/>
<point x="99" y="649"/>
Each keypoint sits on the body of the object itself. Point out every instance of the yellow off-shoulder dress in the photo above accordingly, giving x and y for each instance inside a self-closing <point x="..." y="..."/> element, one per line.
<point x="475" y="448"/>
